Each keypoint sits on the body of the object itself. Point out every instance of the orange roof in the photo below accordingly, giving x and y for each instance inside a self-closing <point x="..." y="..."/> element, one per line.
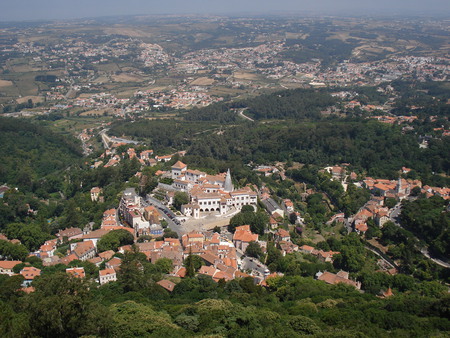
<point x="331" y="278"/>
<point x="306" y="248"/>
<point x="115" y="261"/>
<point x="167" y="284"/>
<point x="283" y="233"/>
<point x="76" y="272"/>
<point x="181" y="272"/>
<point x="179" y="165"/>
<point x="106" y="254"/>
<point x="244" y="235"/>
<point x="107" y="271"/>
<point x="362" y="227"/>
<point x="66" y="260"/>
<point x="29" y="272"/>
<point x="8" y="264"/>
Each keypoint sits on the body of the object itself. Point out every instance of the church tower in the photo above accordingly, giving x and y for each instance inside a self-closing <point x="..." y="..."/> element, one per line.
<point x="228" y="186"/>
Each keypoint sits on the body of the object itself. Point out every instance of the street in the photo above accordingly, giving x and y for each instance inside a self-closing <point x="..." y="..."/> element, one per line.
<point x="168" y="215"/>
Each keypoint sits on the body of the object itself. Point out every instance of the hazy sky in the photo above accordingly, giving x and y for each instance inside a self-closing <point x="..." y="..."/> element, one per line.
<point x="12" y="10"/>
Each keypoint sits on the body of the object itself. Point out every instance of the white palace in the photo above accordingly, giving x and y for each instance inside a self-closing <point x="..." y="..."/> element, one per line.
<point x="209" y="193"/>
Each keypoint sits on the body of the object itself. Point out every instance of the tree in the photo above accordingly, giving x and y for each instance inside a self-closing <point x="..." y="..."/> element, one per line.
<point x="12" y="251"/>
<point x="165" y="265"/>
<point x="192" y="263"/>
<point x="179" y="199"/>
<point x="254" y="250"/>
<point x="30" y="235"/>
<point x="114" y="239"/>
<point x="62" y="306"/>
<point x="131" y="319"/>
<point x="390" y="202"/>
<point x="131" y="274"/>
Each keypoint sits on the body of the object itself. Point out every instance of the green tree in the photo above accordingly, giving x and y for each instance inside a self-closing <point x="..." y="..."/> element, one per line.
<point x="254" y="250"/>
<point x="131" y="319"/>
<point x="192" y="263"/>
<point x="165" y="265"/>
<point x="115" y="239"/>
<point x="62" y="306"/>
<point x="131" y="274"/>
<point x="179" y="199"/>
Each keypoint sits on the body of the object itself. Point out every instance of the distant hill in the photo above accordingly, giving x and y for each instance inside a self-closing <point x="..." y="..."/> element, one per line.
<point x="30" y="151"/>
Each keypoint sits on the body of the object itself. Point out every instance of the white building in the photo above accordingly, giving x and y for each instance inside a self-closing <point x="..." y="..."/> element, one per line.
<point x="107" y="275"/>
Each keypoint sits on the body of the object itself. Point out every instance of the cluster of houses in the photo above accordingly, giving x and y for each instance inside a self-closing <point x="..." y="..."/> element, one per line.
<point x="144" y="220"/>
<point x="208" y="193"/>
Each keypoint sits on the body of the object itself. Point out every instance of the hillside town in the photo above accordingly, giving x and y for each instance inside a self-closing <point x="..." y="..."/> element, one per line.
<point x="224" y="255"/>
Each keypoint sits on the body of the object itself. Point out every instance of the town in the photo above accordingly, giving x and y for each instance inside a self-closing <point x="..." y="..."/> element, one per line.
<point x="227" y="176"/>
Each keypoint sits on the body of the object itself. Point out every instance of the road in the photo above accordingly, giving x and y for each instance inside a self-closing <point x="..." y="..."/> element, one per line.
<point x="425" y="252"/>
<point x="394" y="217"/>
<point x="249" y="263"/>
<point x="241" y="113"/>
<point x="168" y="215"/>
<point x="105" y="138"/>
<point x="394" y="213"/>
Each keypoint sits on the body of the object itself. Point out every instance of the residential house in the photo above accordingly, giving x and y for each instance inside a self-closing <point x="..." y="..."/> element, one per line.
<point x="340" y="277"/>
<point x="167" y="284"/>
<point x="6" y="267"/>
<point x="76" y="272"/>
<point x="95" y="194"/>
<point x="83" y="250"/>
<point x="107" y="275"/>
<point x="69" y="234"/>
<point x="243" y="236"/>
<point x="29" y="273"/>
<point x="273" y="207"/>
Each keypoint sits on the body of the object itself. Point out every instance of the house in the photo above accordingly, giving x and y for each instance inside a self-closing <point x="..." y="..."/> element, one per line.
<point x="307" y="249"/>
<point x="69" y="258"/>
<point x="361" y="228"/>
<point x="96" y="261"/>
<point x="109" y="218"/>
<point x="106" y="255"/>
<point x="167" y="284"/>
<point x="69" y="234"/>
<point x="95" y="236"/>
<point x="29" y="273"/>
<point x="107" y="275"/>
<point x="287" y="247"/>
<point x="76" y="272"/>
<point x="288" y="205"/>
<point x="243" y="236"/>
<point x="340" y="277"/>
<point x="6" y="267"/>
<point x="282" y="235"/>
<point x="178" y="169"/>
<point x="272" y="207"/>
<point x="83" y="250"/>
<point x="95" y="194"/>
<point x="114" y="263"/>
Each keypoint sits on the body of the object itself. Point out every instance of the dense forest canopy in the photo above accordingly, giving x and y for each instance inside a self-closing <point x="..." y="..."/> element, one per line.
<point x="31" y="151"/>
<point x="289" y="306"/>
<point x="378" y="149"/>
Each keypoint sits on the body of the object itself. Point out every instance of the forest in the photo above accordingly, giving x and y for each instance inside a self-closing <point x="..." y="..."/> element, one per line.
<point x="288" y="306"/>
<point x="31" y="151"/>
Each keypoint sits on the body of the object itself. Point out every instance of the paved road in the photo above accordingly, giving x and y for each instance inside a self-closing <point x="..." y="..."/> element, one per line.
<point x="425" y="252"/>
<point x="258" y="268"/>
<point x="241" y="113"/>
<point x="395" y="213"/>
<point x="394" y="217"/>
<point x="168" y="215"/>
